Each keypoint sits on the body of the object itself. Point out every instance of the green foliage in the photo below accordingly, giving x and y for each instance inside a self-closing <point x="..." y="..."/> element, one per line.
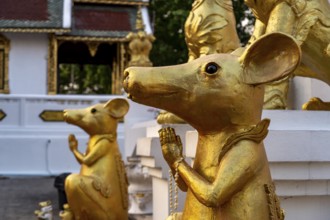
<point x="169" y="17"/>
<point x="244" y="20"/>
<point x="84" y="79"/>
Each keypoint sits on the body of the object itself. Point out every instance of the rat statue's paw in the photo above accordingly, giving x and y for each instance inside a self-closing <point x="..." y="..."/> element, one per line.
<point x="73" y="143"/>
<point x="171" y="146"/>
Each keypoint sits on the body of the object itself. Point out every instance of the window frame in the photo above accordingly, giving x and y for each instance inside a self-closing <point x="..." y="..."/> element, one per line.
<point x="4" y="64"/>
<point x="119" y="65"/>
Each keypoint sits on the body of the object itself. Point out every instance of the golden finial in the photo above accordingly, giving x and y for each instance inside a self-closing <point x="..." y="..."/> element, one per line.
<point x="140" y="43"/>
<point x="139" y="22"/>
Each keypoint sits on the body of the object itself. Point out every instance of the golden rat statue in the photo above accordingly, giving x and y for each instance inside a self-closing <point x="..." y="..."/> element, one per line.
<point x="221" y="96"/>
<point x="99" y="191"/>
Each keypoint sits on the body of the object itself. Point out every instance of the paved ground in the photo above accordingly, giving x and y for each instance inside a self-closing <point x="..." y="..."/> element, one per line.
<point x="19" y="197"/>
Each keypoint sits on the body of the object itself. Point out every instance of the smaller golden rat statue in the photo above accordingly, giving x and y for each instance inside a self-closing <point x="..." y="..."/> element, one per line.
<point x="99" y="191"/>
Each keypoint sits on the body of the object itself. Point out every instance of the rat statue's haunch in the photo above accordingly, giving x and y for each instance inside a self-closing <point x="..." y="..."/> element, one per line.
<point x="221" y="96"/>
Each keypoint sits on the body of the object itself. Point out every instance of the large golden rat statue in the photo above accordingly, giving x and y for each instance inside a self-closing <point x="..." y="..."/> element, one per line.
<point x="99" y="191"/>
<point x="221" y="96"/>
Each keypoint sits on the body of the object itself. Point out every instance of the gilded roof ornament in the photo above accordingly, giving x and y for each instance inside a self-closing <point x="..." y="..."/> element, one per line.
<point x="140" y="43"/>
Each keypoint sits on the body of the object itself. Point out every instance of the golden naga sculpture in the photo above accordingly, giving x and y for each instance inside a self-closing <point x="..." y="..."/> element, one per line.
<point x="210" y="28"/>
<point x="221" y="96"/>
<point x="306" y="20"/>
<point x="99" y="191"/>
<point x="140" y="44"/>
<point x="316" y="104"/>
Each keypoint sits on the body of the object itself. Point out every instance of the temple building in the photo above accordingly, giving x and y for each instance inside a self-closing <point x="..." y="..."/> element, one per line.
<point x="40" y="41"/>
<point x="59" y="54"/>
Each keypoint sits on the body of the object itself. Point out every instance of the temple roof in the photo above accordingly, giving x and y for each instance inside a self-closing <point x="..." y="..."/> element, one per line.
<point x="103" y="21"/>
<point x="87" y="18"/>
<point x="35" y="14"/>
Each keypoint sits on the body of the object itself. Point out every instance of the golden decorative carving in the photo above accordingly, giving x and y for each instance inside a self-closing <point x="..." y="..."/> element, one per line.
<point x="88" y="39"/>
<point x="4" y="62"/>
<point x="101" y="185"/>
<point x="221" y="96"/>
<point x="139" y="26"/>
<point x="308" y="22"/>
<point x="316" y="104"/>
<point x="275" y="211"/>
<point x="210" y="28"/>
<point x="118" y="66"/>
<point x="92" y="47"/>
<point x="2" y="114"/>
<point x="52" y="64"/>
<point x="140" y="44"/>
<point x="51" y="115"/>
<point x="115" y="2"/>
<point x="35" y="30"/>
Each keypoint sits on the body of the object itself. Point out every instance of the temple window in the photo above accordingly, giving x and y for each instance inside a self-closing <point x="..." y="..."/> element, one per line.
<point x="85" y="66"/>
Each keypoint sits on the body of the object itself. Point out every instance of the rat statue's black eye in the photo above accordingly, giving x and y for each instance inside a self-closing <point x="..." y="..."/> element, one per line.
<point x="211" y="68"/>
<point x="93" y="110"/>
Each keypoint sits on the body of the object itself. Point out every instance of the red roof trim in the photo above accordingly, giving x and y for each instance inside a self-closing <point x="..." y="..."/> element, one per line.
<point x="34" y="10"/>
<point x="101" y="20"/>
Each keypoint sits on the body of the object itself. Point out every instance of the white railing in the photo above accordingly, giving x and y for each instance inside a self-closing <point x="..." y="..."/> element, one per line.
<point x="32" y="146"/>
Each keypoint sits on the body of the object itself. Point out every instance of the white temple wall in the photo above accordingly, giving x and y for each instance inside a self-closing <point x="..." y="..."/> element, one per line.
<point x="31" y="146"/>
<point x="28" y="63"/>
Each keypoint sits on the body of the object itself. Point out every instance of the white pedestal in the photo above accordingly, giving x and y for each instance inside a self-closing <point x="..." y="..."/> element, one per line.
<point x="149" y="150"/>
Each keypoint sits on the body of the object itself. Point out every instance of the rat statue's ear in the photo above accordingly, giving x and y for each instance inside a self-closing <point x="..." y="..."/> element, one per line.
<point x="117" y="107"/>
<point x="270" y="58"/>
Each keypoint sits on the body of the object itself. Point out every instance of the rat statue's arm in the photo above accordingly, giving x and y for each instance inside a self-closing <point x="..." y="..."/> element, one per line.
<point x="93" y="155"/>
<point x="73" y="144"/>
<point x="177" y="144"/>
<point x="236" y="169"/>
